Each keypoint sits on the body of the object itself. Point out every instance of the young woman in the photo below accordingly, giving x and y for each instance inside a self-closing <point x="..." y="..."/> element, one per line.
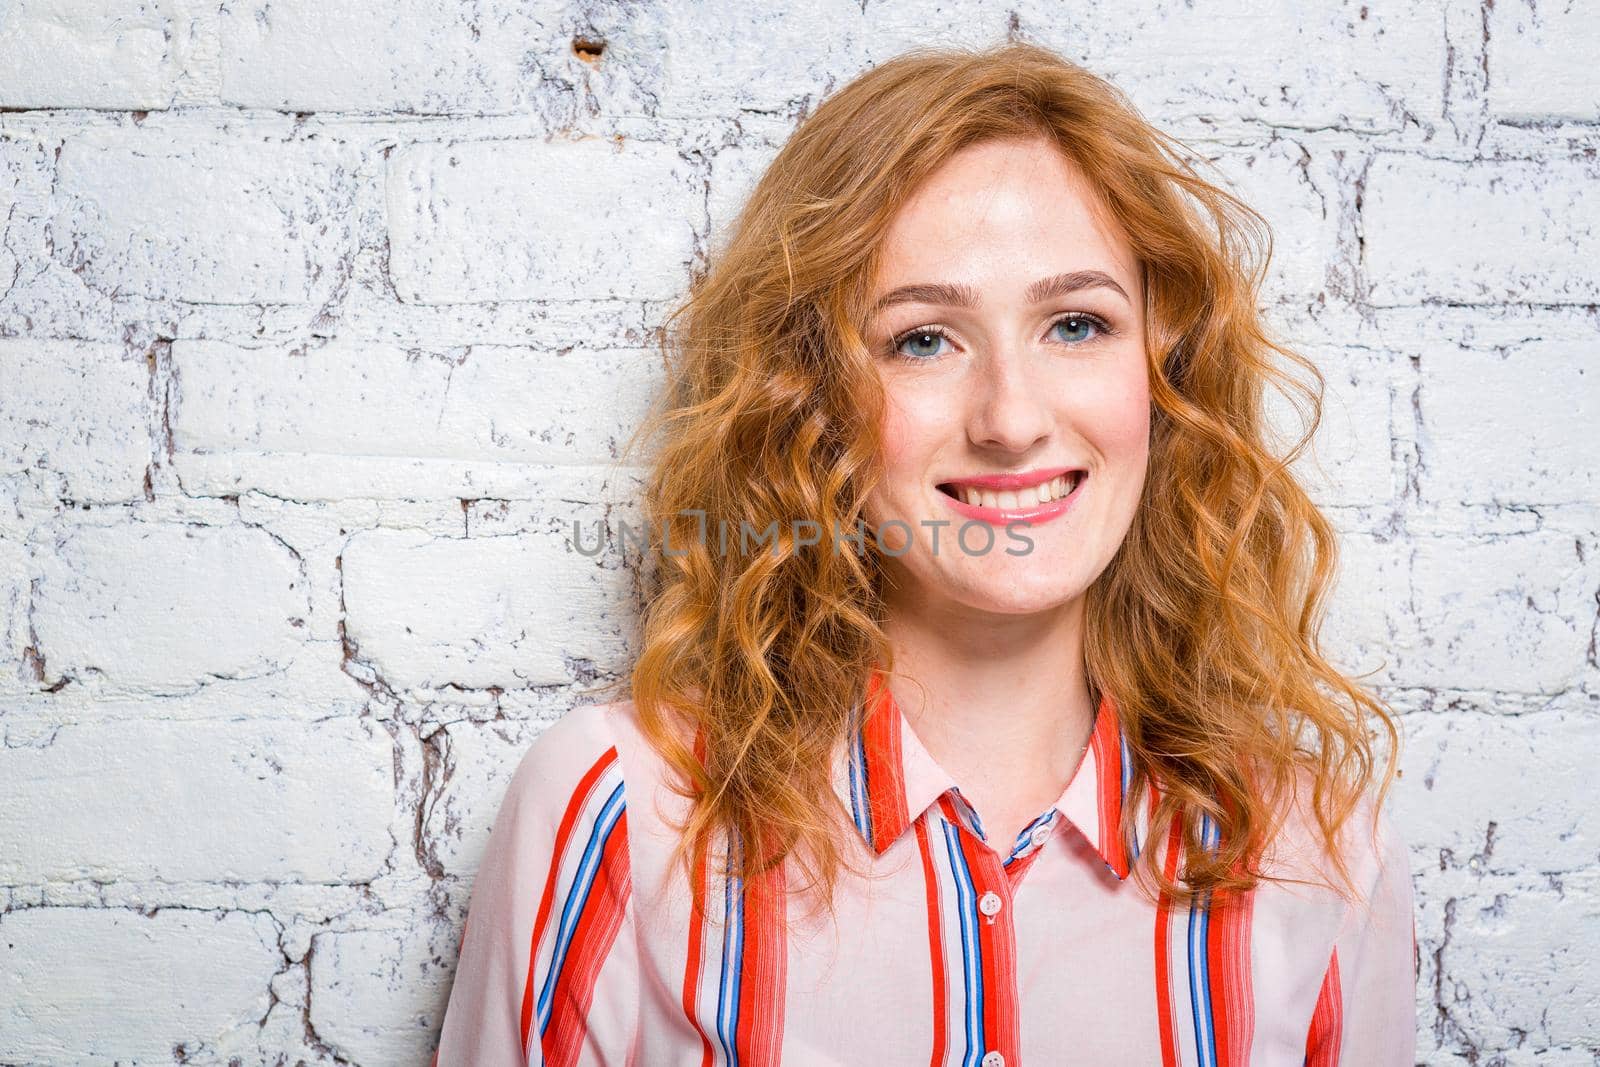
<point x="1032" y="756"/>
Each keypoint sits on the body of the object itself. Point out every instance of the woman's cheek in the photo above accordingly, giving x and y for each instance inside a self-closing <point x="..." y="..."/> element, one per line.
<point x="906" y="453"/>
<point x="1132" y="427"/>
<point x="900" y="441"/>
<point x="1116" y="414"/>
<point x="1136" y="397"/>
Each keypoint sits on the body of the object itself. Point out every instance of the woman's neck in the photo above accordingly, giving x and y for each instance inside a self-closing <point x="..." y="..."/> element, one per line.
<point x="1003" y="703"/>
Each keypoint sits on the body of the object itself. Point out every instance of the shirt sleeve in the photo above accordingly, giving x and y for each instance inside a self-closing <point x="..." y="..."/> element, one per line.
<point x="1367" y="1010"/>
<point x="547" y="970"/>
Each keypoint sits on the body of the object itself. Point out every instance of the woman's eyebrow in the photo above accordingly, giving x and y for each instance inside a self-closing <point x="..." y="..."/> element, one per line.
<point x="959" y="295"/>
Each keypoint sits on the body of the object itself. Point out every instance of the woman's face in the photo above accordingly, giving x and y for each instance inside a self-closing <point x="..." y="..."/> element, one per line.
<point x="1009" y="334"/>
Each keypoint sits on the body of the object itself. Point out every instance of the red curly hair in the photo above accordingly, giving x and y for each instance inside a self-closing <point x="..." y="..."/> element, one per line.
<point x="1204" y="626"/>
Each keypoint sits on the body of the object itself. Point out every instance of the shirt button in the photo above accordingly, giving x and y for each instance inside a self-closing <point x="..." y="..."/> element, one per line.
<point x="993" y="1059"/>
<point x="1039" y="834"/>
<point x="989" y="903"/>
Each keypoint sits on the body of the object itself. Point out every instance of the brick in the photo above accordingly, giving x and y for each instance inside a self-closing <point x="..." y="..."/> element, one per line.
<point x="1511" y="425"/>
<point x="243" y="801"/>
<point x="1508" y="613"/>
<point x="1519" y="968"/>
<point x="423" y="57"/>
<point x="13" y="613"/>
<point x="1468" y="802"/>
<point x="97" y="985"/>
<point x="259" y="222"/>
<point x="1368" y="609"/>
<point x="1541" y="62"/>
<point x="721" y="57"/>
<point x="1347" y="64"/>
<point x="165" y="607"/>
<point x="480" y="761"/>
<point x="734" y="173"/>
<point x="411" y="56"/>
<point x="1297" y="194"/>
<point x="353" y="419"/>
<point x="514" y="612"/>
<point x="1442" y="230"/>
<point x="378" y="996"/>
<point x="61" y="54"/>
<point x="536" y="220"/>
<point x="1349" y="462"/>
<point x="76" y="416"/>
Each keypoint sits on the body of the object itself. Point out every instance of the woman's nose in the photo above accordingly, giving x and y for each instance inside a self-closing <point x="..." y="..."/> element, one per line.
<point x="1009" y="406"/>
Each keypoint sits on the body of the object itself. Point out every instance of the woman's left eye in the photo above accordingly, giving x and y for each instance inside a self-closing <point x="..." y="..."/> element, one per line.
<point x="1076" y="324"/>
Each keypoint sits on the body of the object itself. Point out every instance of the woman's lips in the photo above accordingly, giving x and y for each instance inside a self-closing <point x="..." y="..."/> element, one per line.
<point x="1034" y="514"/>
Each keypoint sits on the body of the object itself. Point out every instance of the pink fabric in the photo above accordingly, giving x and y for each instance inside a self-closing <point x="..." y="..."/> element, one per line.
<point x="580" y="948"/>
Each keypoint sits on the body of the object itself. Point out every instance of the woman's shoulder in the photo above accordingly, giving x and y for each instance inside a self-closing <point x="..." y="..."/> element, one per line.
<point x="1369" y="841"/>
<point x="587" y="742"/>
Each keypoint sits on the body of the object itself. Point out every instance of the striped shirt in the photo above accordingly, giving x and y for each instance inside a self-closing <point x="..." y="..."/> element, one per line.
<point x="580" y="947"/>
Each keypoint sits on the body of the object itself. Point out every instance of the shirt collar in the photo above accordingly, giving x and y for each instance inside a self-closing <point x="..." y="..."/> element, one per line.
<point x="890" y="779"/>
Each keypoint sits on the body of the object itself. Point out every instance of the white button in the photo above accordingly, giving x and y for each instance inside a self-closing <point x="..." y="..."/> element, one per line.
<point x="989" y="903"/>
<point x="993" y="1059"/>
<point x="1039" y="834"/>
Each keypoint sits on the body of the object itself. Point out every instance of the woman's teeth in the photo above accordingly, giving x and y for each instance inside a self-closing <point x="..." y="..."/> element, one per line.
<point x="1033" y="496"/>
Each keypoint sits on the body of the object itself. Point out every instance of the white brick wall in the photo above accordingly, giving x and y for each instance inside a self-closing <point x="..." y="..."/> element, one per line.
<point x="321" y="322"/>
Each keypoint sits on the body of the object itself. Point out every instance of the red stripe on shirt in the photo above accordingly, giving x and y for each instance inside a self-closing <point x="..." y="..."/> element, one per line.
<point x="763" y="969"/>
<point x="1228" y="971"/>
<point x="1163" y="939"/>
<point x="580" y="799"/>
<point x="941" y="1007"/>
<point x="591" y="942"/>
<point x="1106" y="744"/>
<point x="886" y="789"/>
<point x="1228" y="961"/>
<point x="1000" y="971"/>
<point x="1327" y="1021"/>
<point x="697" y="926"/>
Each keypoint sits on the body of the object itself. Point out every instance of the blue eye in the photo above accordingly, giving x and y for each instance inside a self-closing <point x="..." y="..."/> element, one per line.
<point x="924" y="339"/>
<point x="1079" y="321"/>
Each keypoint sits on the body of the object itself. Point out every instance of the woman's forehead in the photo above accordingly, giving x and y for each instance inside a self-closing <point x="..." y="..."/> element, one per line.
<point x="1000" y="205"/>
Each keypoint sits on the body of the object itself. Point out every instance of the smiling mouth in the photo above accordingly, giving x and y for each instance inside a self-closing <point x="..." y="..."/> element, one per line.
<point x="1034" y="495"/>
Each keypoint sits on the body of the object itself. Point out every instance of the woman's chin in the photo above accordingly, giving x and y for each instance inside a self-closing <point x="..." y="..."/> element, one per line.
<point x="1011" y="603"/>
<point x="1017" y="593"/>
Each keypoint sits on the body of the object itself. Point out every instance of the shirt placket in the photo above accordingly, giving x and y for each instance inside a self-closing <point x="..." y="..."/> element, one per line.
<point x="994" y="883"/>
